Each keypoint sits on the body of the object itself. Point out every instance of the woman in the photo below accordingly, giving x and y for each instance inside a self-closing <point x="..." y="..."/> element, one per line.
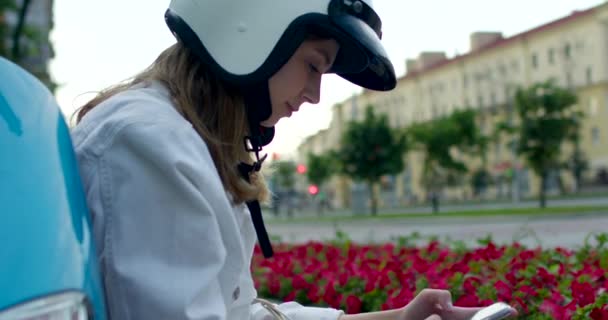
<point x="170" y="160"/>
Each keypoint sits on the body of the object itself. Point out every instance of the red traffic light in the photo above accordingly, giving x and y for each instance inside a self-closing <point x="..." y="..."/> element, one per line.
<point x="313" y="190"/>
<point x="301" y="169"/>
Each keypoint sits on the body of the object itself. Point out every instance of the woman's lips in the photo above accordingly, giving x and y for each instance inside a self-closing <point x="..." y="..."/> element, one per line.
<point x="291" y="109"/>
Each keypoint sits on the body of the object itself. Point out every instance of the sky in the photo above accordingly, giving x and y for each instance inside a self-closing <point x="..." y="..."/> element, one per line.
<point x="99" y="43"/>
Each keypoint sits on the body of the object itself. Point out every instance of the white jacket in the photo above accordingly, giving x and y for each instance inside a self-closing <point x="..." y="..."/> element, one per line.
<point x="169" y="242"/>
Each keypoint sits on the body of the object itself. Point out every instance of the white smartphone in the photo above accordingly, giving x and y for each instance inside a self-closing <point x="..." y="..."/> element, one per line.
<point x="496" y="311"/>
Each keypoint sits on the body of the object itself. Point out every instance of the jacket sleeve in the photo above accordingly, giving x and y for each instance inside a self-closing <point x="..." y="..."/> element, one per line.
<point x="295" y="311"/>
<point x="162" y="244"/>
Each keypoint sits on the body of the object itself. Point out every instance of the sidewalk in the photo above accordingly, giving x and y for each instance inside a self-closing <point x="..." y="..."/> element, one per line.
<point x="566" y="230"/>
<point x="312" y="212"/>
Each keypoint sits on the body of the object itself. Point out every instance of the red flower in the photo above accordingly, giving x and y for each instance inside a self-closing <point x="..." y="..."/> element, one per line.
<point x="553" y="309"/>
<point x="470" y="284"/>
<point x="582" y="293"/>
<point x="313" y="295"/>
<point x="353" y="304"/>
<point x="527" y="290"/>
<point x="299" y="283"/>
<point x="547" y="278"/>
<point x="599" y="314"/>
<point x="361" y="278"/>
<point x="370" y="285"/>
<point x="274" y="286"/>
<point x="470" y="300"/>
<point x="503" y="291"/>
<point x="291" y="296"/>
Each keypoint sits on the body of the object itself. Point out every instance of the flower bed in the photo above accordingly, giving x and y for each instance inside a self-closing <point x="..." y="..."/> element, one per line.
<point x="540" y="283"/>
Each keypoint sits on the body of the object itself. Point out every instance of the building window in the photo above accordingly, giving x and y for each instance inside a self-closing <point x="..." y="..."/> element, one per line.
<point x="514" y="65"/>
<point x="567" y="51"/>
<point x="589" y="74"/>
<point x="534" y="61"/>
<point x="480" y="102"/>
<point x="592" y="106"/>
<point x="502" y="70"/>
<point x="493" y="101"/>
<point x="569" y="82"/>
<point x="434" y="112"/>
<point x="595" y="136"/>
<point x="551" y="55"/>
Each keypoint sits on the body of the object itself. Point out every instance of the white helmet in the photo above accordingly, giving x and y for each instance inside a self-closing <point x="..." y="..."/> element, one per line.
<point x="246" y="42"/>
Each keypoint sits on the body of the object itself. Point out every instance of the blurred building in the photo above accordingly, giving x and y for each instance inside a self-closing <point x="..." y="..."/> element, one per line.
<point x="572" y="50"/>
<point x="35" y="42"/>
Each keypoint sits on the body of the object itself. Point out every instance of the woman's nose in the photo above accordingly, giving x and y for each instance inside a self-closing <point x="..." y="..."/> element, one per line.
<point x="312" y="92"/>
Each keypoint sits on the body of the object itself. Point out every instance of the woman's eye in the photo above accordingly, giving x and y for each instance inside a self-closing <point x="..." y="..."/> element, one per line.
<point x="313" y="68"/>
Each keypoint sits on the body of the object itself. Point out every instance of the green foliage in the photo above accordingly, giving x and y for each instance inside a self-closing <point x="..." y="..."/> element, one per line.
<point x="371" y="149"/>
<point x="577" y="162"/>
<point x="320" y="168"/>
<point x="480" y="180"/>
<point x="437" y="140"/>
<point x="547" y="121"/>
<point x="284" y="174"/>
<point x="6" y="6"/>
<point x="22" y="42"/>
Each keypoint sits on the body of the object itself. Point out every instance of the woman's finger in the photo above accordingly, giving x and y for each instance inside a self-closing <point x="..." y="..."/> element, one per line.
<point x="442" y="299"/>
<point x="461" y="313"/>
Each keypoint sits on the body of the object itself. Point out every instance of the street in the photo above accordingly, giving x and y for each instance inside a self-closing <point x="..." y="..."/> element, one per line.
<point x="565" y="230"/>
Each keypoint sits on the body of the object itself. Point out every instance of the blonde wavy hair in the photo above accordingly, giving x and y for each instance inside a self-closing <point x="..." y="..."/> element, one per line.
<point x="215" y="109"/>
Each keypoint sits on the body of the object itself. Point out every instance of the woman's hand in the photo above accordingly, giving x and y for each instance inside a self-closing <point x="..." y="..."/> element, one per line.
<point x="432" y="304"/>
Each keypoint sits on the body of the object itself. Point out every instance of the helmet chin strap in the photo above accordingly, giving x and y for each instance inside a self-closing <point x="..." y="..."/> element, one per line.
<point x="258" y="108"/>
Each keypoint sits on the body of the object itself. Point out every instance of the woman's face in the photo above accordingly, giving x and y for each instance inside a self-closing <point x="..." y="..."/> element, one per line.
<point x="299" y="80"/>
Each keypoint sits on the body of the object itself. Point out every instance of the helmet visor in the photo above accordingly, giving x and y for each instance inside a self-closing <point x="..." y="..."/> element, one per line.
<point x="361" y="59"/>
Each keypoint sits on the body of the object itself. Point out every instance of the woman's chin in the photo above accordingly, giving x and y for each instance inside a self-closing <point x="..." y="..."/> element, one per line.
<point x="269" y="123"/>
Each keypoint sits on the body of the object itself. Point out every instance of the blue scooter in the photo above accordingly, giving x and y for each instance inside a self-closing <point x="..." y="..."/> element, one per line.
<point x="48" y="268"/>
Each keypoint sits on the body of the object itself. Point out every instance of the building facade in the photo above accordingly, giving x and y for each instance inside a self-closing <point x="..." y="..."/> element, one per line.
<point x="572" y="50"/>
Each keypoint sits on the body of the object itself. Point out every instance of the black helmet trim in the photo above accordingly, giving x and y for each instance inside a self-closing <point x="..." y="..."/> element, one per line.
<point x="359" y="10"/>
<point x="378" y="73"/>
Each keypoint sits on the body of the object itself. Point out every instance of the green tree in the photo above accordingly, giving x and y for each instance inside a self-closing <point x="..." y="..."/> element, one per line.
<point x="284" y="178"/>
<point x="26" y="41"/>
<point x="437" y="139"/>
<point x="20" y="30"/>
<point x="547" y="120"/>
<point x="320" y="169"/>
<point x="6" y="7"/>
<point x="480" y="180"/>
<point x="370" y="149"/>
<point x="577" y="162"/>
<point x="285" y="173"/>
